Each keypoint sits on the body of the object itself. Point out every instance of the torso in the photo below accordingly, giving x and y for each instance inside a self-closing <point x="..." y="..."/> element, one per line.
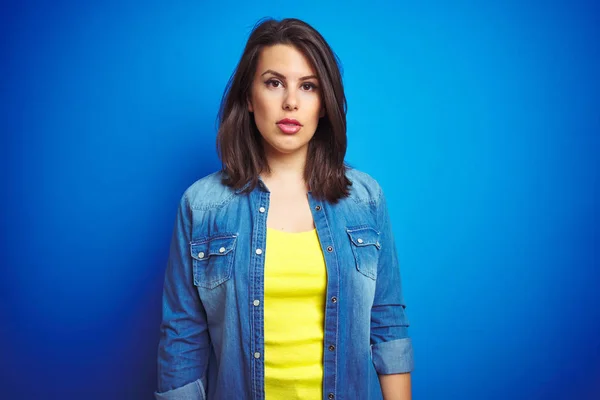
<point x="230" y="283"/>
<point x="295" y="278"/>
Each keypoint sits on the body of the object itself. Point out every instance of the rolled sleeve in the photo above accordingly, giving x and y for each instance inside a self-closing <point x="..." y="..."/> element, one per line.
<point x="390" y="342"/>
<point x="394" y="357"/>
<point x="191" y="391"/>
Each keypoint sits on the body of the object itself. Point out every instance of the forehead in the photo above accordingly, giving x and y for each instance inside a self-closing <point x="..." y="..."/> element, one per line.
<point x="286" y="60"/>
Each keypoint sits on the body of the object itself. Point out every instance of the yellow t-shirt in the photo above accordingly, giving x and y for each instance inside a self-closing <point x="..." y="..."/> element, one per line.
<point x="294" y="309"/>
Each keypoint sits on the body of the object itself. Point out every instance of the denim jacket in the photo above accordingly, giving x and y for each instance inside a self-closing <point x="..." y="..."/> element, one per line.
<point x="212" y="334"/>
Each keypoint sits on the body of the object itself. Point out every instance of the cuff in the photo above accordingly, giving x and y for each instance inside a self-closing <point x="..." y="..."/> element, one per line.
<point x="191" y="391"/>
<point x="393" y="357"/>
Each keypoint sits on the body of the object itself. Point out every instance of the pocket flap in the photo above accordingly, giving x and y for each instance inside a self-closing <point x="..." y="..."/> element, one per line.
<point x="213" y="246"/>
<point x="364" y="236"/>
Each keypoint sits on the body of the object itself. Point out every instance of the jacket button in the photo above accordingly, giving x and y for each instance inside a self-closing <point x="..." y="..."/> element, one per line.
<point x="201" y="254"/>
<point x="330" y="396"/>
<point x="318" y="208"/>
<point x="331" y="348"/>
<point x="334" y="299"/>
<point x="256" y="355"/>
<point x="329" y="249"/>
<point x="262" y="210"/>
<point x="258" y="251"/>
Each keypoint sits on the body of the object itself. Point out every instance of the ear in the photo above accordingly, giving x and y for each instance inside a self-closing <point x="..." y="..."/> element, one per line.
<point x="250" y="107"/>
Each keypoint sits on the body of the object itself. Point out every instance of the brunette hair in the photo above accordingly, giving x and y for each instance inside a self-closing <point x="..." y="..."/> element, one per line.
<point x="239" y="143"/>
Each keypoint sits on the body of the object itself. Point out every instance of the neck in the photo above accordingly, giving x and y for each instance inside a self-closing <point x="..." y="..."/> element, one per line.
<point x="289" y="167"/>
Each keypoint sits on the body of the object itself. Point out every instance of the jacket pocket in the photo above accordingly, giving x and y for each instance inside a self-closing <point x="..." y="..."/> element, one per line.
<point x="213" y="259"/>
<point x="365" y="245"/>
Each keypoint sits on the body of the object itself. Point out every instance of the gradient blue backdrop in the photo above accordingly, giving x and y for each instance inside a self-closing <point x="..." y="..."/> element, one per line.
<point x="480" y="120"/>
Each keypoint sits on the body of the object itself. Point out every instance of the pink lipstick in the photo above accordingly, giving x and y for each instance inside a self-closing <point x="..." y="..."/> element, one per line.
<point x="289" y="126"/>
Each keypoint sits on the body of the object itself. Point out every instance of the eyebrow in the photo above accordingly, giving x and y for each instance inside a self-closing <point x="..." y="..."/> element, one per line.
<point x="281" y="76"/>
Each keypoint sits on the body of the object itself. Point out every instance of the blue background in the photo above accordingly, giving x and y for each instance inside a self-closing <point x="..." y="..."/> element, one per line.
<point x="480" y="120"/>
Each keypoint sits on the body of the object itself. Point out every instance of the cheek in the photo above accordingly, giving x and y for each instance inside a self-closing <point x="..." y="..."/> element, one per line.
<point x="263" y="106"/>
<point x="313" y="106"/>
<point x="263" y="114"/>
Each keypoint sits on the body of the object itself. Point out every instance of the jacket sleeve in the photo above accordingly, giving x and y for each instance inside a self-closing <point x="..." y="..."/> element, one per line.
<point x="184" y="345"/>
<point x="390" y="344"/>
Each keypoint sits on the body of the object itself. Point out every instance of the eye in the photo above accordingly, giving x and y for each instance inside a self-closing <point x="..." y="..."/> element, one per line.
<point x="273" y="83"/>
<point x="309" y="86"/>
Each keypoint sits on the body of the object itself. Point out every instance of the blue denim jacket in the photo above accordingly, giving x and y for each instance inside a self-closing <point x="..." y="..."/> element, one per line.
<point x="212" y="337"/>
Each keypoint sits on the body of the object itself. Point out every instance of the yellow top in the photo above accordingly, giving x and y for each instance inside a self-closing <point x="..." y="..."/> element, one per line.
<point x="294" y="306"/>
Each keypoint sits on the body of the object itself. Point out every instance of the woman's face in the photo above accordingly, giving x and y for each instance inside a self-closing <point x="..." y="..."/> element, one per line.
<point x="285" y="86"/>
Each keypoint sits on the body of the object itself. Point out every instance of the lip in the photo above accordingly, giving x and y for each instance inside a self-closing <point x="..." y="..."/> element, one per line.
<point x="289" y="121"/>
<point x="289" y="129"/>
<point x="289" y="126"/>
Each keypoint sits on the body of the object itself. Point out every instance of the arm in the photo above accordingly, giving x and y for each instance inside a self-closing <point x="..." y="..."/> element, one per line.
<point x="395" y="386"/>
<point x="184" y="345"/>
<point x="391" y="345"/>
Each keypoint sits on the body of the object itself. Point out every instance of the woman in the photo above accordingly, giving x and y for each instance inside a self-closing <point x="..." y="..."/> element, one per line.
<point x="282" y="280"/>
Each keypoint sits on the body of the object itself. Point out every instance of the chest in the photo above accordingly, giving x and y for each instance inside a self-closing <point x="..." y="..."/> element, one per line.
<point x="289" y="211"/>
<point x="229" y="243"/>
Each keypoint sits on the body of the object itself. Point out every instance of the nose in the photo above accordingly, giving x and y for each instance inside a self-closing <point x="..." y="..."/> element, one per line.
<point x="290" y="102"/>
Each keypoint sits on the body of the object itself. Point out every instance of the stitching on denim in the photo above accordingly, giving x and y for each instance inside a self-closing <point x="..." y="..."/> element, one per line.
<point x="337" y="264"/>
<point x="196" y="261"/>
<point x="211" y="206"/>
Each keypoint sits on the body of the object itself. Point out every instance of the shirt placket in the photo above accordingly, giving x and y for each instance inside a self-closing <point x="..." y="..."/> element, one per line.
<point x="259" y="206"/>
<point x="330" y="350"/>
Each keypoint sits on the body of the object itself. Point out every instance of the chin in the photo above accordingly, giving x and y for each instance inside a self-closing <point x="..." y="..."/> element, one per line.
<point x="288" y="146"/>
<point x="287" y="150"/>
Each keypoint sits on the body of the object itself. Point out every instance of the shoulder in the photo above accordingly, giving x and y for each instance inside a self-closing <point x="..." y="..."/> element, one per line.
<point x="364" y="189"/>
<point x="208" y="192"/>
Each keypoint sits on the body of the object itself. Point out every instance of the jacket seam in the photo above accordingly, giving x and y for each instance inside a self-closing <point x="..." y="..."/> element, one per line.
<point x="211" y="206"/>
